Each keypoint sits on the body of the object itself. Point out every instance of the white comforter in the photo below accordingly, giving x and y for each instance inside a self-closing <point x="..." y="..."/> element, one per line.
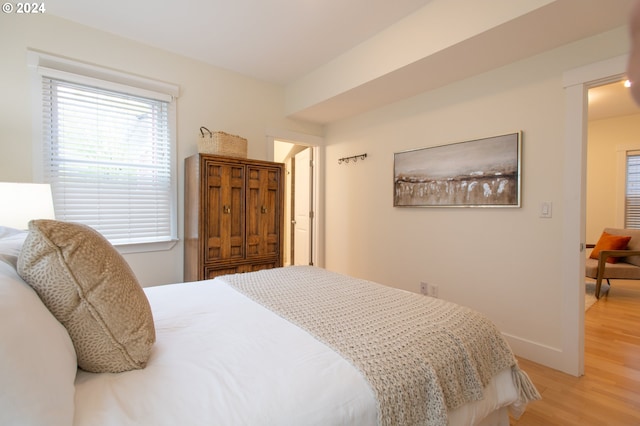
<point x="222" y="359"/>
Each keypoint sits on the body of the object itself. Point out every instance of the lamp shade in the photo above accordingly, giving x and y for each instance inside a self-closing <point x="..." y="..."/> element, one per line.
<point x="22" y="202"/>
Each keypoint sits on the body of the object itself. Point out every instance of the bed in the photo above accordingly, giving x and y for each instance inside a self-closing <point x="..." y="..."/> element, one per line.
<point x="288" y="346"/>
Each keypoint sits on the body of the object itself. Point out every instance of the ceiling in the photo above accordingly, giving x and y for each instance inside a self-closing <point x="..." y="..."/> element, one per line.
<point x="272" y="40"/>
<point x="286" y="41"/>
<point x="611" y="100"/>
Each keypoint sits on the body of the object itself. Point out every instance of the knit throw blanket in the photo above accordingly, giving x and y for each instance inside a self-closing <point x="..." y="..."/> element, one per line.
<point x="420" y="355"/>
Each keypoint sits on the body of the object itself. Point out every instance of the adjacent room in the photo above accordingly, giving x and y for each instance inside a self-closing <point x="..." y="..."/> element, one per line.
<point x="317" y="102"/>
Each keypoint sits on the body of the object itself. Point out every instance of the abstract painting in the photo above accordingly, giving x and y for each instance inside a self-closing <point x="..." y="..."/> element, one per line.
<point x="476" y="173"/>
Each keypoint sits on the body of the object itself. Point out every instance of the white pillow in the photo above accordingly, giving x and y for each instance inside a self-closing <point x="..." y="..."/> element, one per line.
<point x="11" y="241"/>
<point x="5" y="232"/>
<point x="37" y="361"/>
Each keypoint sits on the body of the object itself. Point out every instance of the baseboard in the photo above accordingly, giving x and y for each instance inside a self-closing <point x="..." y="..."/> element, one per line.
<point x="542" y="354"/>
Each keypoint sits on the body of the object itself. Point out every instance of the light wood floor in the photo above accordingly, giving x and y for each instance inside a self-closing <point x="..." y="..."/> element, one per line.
<point x="609" y="392"/>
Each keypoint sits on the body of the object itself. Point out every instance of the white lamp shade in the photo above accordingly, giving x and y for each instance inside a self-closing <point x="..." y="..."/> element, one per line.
<point x="22" y="202"/>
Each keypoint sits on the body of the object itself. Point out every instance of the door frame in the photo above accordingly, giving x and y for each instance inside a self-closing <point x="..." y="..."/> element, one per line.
<point x="576" y="84"/>
<point x="317" y="145"/>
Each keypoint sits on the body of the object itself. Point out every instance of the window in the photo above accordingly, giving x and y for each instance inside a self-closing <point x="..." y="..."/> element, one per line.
<point x="108" y="152"/>
<point x="632" y="191"/>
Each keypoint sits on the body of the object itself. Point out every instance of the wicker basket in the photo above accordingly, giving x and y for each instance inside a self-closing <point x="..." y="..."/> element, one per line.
<point x="221" y="143"/>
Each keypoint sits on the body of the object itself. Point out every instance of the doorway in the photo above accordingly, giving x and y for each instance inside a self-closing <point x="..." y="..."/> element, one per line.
<point x="576" y="85"/>
<point x="612" y="133"/>
<point x="302" y="242"/>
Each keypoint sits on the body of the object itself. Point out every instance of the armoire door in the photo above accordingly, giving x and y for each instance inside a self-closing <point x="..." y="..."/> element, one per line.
<point x="224" y="210"/>
<point x="263" y="211"/>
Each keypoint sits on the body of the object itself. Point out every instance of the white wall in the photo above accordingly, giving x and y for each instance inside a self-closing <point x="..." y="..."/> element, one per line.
<point x="506" y="263"/>
<point x="603" y="188"/>
<point x="210" y="96"/>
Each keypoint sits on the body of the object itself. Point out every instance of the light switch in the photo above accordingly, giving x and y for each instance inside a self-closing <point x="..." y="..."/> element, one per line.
<point x="545" y="209"/>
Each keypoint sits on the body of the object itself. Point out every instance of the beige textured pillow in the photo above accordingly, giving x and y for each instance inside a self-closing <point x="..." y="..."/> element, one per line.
<point x="88" y="286"/>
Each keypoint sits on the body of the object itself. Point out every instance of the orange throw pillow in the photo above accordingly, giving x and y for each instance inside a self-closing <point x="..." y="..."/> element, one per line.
<point x="609" y="242"/>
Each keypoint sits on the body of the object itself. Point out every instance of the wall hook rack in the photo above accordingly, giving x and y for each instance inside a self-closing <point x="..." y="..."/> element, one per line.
<point x="353" y="157"/>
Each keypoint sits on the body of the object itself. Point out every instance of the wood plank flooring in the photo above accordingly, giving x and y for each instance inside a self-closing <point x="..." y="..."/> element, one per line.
<point x="609" y="392"/>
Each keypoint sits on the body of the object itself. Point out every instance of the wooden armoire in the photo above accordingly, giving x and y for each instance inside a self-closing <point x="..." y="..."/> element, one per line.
<point x="233" y="216"/>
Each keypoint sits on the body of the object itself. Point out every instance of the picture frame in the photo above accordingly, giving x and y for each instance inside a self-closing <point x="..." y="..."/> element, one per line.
<point x="476" y="173"/>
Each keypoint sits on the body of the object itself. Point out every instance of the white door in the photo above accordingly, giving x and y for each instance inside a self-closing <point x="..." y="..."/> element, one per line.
<point x="303" y="211"/>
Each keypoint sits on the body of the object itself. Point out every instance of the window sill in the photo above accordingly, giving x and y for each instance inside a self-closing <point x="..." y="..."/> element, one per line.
<point x="145" y="247"/>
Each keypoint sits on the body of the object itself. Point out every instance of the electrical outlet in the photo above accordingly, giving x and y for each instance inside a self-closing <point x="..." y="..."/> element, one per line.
<point x="424" y="288"/>
<point x="432" y="290"/>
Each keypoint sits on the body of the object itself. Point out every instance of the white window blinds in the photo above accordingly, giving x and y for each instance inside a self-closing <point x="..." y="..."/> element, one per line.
<point x="108" y="156"/>
<point x="632" y="194"/>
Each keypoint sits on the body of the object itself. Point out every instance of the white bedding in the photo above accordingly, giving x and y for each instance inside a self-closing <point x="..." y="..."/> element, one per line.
<point x="222" y="359"/>
<point x="219" y="359"/>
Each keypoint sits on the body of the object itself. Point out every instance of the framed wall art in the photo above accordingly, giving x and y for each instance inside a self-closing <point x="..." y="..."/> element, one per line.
<point x="476" y="173"/>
